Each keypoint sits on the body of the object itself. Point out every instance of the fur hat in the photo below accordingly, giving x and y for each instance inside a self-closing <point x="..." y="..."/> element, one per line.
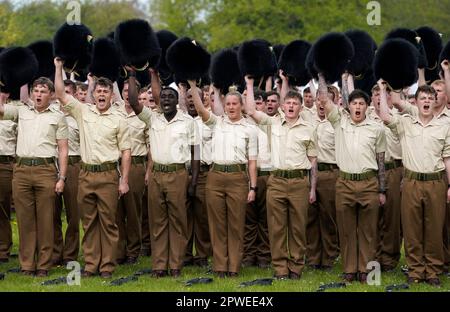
<point x="396" y="62"/>
<point x="224" y="70"/>
<point x="414" y="39"/>
<point x="332" y="54"/>
<point x="292" y="61"/>
<point x="165" y="38"/>
<point x="43" y="50"/>
<point x="73" y="44"/>
<point x="105" y="59"/>
<point x="309" y="63"/>
<point x="137" y="44"/>
<point x="365" y="48"/>
<point x="256" y="58"/>
<point x="187" y="59"/>
<point x="433" y="45"/>
<point x="18" y="66"/>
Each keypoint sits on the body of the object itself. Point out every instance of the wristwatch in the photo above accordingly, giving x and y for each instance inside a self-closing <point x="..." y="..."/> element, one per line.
<point x="253" y="188"/>
<point x="63" y="178"/>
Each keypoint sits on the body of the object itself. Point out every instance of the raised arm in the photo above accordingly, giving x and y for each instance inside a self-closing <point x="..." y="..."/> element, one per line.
<point x="133" y="92"/>
<point x="155" y="84"/>
<point x="421" y="81"/>
<point x="90" y="90"/>
<point x="312" y="88"/>
<point x="249" y="104"/>
<point x="345" y="90"/>
<point x="24" y="93"/>
<point x="446" y="69"/>
<point x="323" y="95"/>
<point x="313" y="179"/>
<point x="60" y="93"/>
<point x="284" y="86"/>
<point x="400" y="104"/>
<point x="384" y="108"/>
<point x="201" y="110"/>
<point x="269" y="84"/>
<point x="3" y="99"/>
<point x="116" y="93"/>
<point x="182" y="99"/>
<point x="217" y="105"/>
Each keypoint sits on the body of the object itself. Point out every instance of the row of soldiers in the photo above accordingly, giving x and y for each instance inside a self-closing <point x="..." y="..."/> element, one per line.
<point x="250" y="179"/>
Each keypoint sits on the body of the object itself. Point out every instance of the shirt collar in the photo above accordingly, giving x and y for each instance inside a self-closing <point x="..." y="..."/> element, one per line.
<point x="94" y="109"/>
<point x="241" y="121"/>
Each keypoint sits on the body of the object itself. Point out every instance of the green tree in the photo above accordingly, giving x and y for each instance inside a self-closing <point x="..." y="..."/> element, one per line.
<point x="10" y="31"/>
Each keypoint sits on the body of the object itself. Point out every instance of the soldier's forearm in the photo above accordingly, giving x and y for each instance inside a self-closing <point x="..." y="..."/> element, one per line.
<point x="125" y="165"/>
<point x="381" y="173"/>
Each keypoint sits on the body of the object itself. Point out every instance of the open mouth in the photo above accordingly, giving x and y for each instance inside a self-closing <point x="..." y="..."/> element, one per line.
<point x="357" y="114"/>
<point x="290" y="110"/>
<point x="102" y="101"/>
<point x="38" y="101"/>
<point x="426" y="107"/>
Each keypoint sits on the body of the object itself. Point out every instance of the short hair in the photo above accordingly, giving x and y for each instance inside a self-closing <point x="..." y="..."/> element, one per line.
<point x="377" y="88"/>
<point x="306" y="90"/>
<point x="235" y="93"/>
<point x="425" y="89"/>
<point x="293" y="95"/>
<point x="260" y="94"/>
<point x="127" y="81"/>
<point x="70" y="83"/>
<point x="334" y="90"/>
<point x="44" y="81"/>
<point x="142" y="90"/>
<point x="170" y="89"/>
<point x="438" y="82"/>
<point x="270" y="93"/>
<point x="83" y="86"/>
<point x="103" y="82"/>
<point x="359" y="94"/>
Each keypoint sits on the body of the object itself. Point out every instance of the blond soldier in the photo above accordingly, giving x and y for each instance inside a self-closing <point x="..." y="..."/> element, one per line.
<point x="66" y="249"/>
<point x="8" y="140"/>
<point x="129" y="212"/>
<point x="390" y="239"/>
<point x="425" y="144"/>
<point x="323" y="248"/>
<point x="360" y="146"/>
<point x="234" y="145"/>
<point x="173" y="138"/>
<point x="289" y="189"/>
<point x="104" y="138"/>
<point x="42" y="136"/>
<point x="197" y="216"/>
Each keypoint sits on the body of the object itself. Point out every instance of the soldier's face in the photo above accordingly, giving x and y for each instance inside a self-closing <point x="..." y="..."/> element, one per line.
<point x="41" y="96"/>
<point x="358" y="108"/>
<point x="308" y="99"/>
<point x="425" y="103"/>
<point x="125" y="92"/>
<point x="81" y="95"/>
<point x="292" y="108"/>
<point x="168" y="101"/>
<point x="102" y="98"/>
<point x="442" y="98"/>
<point x="272" y="104"/>
<point x="143" y="99"/>
<point x="260" y="105"/>
<point x="190" y="101"/>
<point x="233" y="107"/>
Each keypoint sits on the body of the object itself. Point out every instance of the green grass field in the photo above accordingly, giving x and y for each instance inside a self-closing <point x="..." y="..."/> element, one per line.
<point x="310" y="281"/>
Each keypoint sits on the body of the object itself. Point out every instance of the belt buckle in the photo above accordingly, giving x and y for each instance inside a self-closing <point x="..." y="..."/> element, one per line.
<point x="33" y="162"/>
<point x="164" y="168"/>
<point x="226" y="168"/>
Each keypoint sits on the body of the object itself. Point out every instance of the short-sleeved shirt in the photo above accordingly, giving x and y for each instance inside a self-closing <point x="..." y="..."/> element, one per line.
<point x="8" y="134"/>
<point x="423" y="146"/>
<point x="290" y="144"/>
<point x="103" y="136"/>
<point x="263" y="161"/>
<point x="138" y="132"/>
<point x="206" y="141"/>
<point x="443" y="116"/>
<point x="170" y="141"/>
<point x="393" y="144"/>
<point x="232" y="142"/>
<point x="74" y="136"/>
<point x="356" y="144"/>
<point x="324" y="140"/>
<point x="37" y="132"/>
<point x="309" y="114"/>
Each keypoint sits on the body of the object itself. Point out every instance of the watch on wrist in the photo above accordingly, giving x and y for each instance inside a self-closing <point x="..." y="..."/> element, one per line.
<point x="253" y="188"/>
<point x="63" y="178"/>
<point x="382" y="192"/>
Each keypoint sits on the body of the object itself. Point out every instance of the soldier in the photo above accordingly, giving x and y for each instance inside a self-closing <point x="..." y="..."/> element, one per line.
<point x="81" y="92"/>
<point x="8" y="141"/>
<point x="103" y="139"/>
<point x="425" y="144"/>
<point x="390" y="239"/>
<point x="323" y="248"/>
<point x="273" y="102"/>
<point x="289" y="190"/>
<point x="42" y="136"/>
<point x="173" y="138"/>
<point x="360" y="146"/>
<point x="66" y="250"/>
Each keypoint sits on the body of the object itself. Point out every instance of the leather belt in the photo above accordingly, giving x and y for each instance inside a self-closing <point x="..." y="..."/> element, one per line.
<point x="74" y="159"/>
<point x="357" y="176"/>
<point x="326" y="167"/>
<point x="397" y="163"/>
<point x="34" y="161"/>
<point x="99" y="168"/>
<point x="229" y="168"/>
<point x="424" y="176"/>
<point x="168" y="168"/>
<point x="6" y="159"/>
<point x="290" y="174"/>
<point x="136" y="160"/>
<point x="263" y="173"/>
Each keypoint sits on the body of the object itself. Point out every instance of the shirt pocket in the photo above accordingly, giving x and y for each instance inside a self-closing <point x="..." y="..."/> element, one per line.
<point x="109" y="127"/>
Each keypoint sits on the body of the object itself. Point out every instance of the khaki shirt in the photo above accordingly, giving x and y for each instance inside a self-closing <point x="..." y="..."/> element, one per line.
<point x="309" y="114"/>
<point x="393" y="144"/>
<point x="138" y="132"/>
<point x="291" y="145"/>
<point x="412" y="110"/>
<point x="74" y="136"/>
<point x="232" y="142"/>
<point x="102" y="135"/>
<point x="170" y="141"/>
<point x="263" y="161"/>
<point x="206" y="143"/>
<point x="356" y="144"/>
<point x="324" y="140"/>
<point x="423" y="147"/>
<point x="8" y="134"/>
<point x="37" y="132"/>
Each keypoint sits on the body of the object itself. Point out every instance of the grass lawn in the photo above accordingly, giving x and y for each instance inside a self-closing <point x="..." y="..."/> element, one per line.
<point x="309" y="282"/>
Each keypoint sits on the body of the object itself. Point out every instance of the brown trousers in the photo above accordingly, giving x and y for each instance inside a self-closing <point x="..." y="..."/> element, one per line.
<point x="423" y="213"/>
<point x="357" y="211"/>
<point x="167" y="214"/>
<point x="67" y="249"/>
<point x="97" y="200"/>
<point x="6" y="176"/>
<point x="129" y="214"/>
<point x="447" y="238"/>
<point x="34" y="199"/>
<point x="322" y="233"/>
<point x="197" y="223"/>
<point x="145" y="224"/>
<point x="389" y="225"/>
<point x="256" y="238"/>
<point x="226" y="201"/>
<point x="287" y="215"/>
